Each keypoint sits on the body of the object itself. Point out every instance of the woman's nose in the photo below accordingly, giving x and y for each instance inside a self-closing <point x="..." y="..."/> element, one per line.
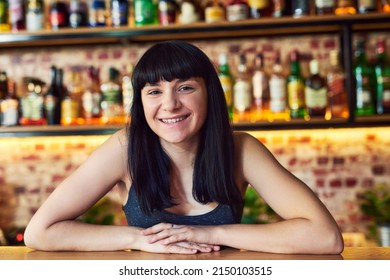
<point x="170" y="101"/>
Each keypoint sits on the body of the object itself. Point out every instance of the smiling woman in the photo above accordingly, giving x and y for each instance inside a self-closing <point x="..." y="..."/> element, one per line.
<point x="183" y="174"/>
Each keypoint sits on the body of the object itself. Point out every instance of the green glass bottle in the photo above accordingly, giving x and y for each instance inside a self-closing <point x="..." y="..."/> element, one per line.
<point x="145" y="12"/>
<point x="226" y="78"/>
<point x="365" y="82"/>
<point x="296" y="88"/>
<point x="382" y="77"/>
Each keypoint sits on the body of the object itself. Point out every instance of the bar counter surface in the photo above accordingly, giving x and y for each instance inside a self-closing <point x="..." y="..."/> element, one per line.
<point x="349" y="253"/>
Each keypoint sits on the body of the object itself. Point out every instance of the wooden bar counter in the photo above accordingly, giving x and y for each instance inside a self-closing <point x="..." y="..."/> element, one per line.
<point x="349" y="253"/>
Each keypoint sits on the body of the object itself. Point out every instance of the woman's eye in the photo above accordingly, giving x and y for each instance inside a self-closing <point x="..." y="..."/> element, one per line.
<point x="185" y="88"/>
<point x="153" y="92"/>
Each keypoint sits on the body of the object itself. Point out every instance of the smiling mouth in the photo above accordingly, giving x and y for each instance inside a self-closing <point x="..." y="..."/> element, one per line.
<point x="174" y="120"/>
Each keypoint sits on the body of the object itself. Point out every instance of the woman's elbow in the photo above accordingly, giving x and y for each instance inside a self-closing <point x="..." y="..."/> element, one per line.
<point x="333" y="242"/>
<point x="33" y="238"/>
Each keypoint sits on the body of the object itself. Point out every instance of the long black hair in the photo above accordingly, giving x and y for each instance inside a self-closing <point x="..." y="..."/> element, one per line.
<point x="149" y="165"/>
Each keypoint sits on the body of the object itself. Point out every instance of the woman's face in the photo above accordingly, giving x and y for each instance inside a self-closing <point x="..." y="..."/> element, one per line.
<point x="175" y="110"/>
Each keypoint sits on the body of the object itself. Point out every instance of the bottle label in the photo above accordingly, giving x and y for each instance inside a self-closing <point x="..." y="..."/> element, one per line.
<point x="324" y="3"/>
<point x="16" y="11"/>
<point x="296" y="94"/>
<point x="214" y="14"/>
<point x="69" y="109"/>
<point x="227" y="85"/>
<point x="259" y="82"/>
<point x="316" y="98"/>
<point x="144" y="12"/>
<point x="258" y="4"/>
<point x="9" y="112"/>
<point x="367" y="4"/>
<point x="32" y="107"/>
<point x="237" y="12"/>
<point x="277" y="95"/>
<point x="34" y="20"/>
<point x="242" y="96"/>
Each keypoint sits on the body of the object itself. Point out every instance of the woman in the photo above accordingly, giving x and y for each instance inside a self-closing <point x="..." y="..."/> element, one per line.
<point x="183" y="174"/>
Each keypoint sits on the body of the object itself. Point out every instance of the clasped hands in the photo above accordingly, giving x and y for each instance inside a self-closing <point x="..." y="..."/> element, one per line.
<point x="181" y="239"/>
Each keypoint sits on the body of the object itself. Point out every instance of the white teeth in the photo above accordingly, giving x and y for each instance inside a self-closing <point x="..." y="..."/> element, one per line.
<point x="173" y="120"/>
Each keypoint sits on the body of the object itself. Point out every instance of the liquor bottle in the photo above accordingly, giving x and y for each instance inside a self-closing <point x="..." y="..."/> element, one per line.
<point x="52" y="100"/>
<point x="316" y="97"/>
<point x="166" y="12"/>
<point x="364" y="78"/>
<point x="226" y="78"/>
<point x="337" y="94"/>
<point x="17" y="15"/>
<point x="324" y="7"/>
<point x="59" y="15"/>
<point x="32" y="103"/>
<point x="119" y="12"/>
<point x="367" y="6"/>
<point x="242" y="92"/>
<point x="300" y="8"/>
<point x="4" y="16"/>
<point x="296" y="88"/>
<point x="91" y="97"/>
<point x="237" y="10"/>
<point x="346" y="7"/>
<point x="78" y="13"/>
<point x="3" y="85"/>
<point x="127" y="91"/>
<point x="277" y="91"/>
<point x="145" y="12"/>
<point x="382" y="76"/>
<point x="260" y="85"/>
<point x="9" y="106"/>
<point x="189" y="12"/>
<point x="97" y="13"/>
<point x="385" y="6"/>
<point x="260" y="8"/>
<point x="71" y="101"/>
<point x="214" y="12"/>
<point x="35" y="15"/>
<point x="281" y="8"/>
<point x="112" y="107"/>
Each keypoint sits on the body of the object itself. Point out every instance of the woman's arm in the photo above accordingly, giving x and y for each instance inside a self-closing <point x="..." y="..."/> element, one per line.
<point x="307" y="226"/>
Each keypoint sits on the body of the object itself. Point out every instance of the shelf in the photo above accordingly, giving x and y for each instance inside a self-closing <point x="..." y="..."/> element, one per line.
<point x="86" y="130"/>
<point x="200" y="30"/>
<point x="57" y="130"/>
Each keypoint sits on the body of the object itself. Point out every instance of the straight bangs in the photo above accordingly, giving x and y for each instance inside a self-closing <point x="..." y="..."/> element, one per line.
<point x="168" y="62"/>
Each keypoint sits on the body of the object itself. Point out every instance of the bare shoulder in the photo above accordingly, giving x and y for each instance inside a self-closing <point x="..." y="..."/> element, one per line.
<point x="245" y="142"/>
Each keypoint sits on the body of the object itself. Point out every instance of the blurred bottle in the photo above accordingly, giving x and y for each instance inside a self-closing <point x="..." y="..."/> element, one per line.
<point x="112" y="107"/>
<point x="278" y="93"/>
<point x="300" y="8"/>
<point x="120" y="12"/>
<point x="226" y="78"/>
<point x="71" y="102"/>
<point x="91" y="97"/>
<point x="59" y="14"/>
<point x="316" y="97"/>
<point x="78" y="13"/>
<point x="260" y="8"/>
<point x="346" y="7"/>
<point x="9" y="102"/>
<point x="260" y="85"/>
<point x="367" y="6"/>
<point x="296" y="88"/>
<point x="167" y="10"/>
<point x="32" y="103"/>
<point x="242" y="92"/>
<point x="214" y="11"/>
<point x="189" y="12"/>
<point x="365" y="83"/>
<point x="237" y="10"/>
<point x="385" y="6"/>
<point x="97" y="13"/>
<point x="52" y="100"/>
<point x="4" y="16"/>
<point x="145" y="12"/>
<point x="35" y="11"/>
<point x="337" y="94"/>
<point x="324" y="7"/>
<point x="382" y="76"/>
<point x="281" y="8"/>
<point x="17" y="15"/>
<point x="127" y="91"/>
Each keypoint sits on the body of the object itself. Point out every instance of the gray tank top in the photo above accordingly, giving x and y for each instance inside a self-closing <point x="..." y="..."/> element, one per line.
<point x="222" y="214"/>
